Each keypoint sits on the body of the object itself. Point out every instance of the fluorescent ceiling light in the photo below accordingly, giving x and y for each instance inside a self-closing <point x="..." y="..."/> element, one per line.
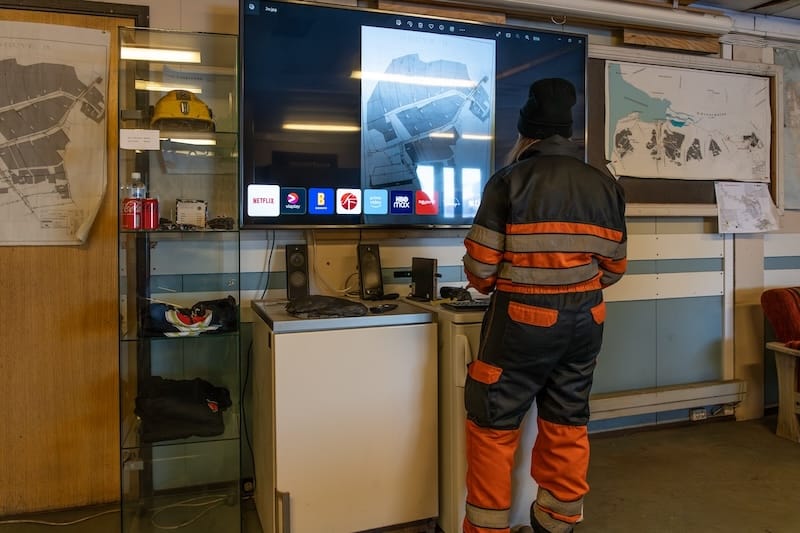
<point x="466" y="136"/>
<point x="166" y="55"/>
<point x="157" y="86"/>
<point x="299" y="126"/>
<point x="414" y="80"/>
<point x="196" y="142"/>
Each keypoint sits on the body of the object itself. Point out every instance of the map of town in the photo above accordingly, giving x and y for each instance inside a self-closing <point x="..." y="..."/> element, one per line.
<point x="666" y="122"/>
<point x="745" y="207"/>
<point x="41" y="107"/>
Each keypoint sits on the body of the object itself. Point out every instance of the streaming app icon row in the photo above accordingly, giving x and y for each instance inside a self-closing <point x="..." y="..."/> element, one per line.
<point x="273" y="201"/>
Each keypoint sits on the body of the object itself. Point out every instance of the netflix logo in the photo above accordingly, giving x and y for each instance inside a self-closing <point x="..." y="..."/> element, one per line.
<point x="263" y="200"/>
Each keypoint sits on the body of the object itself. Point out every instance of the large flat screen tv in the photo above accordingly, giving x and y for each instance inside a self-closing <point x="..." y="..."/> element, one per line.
<point x="353" y="117"/>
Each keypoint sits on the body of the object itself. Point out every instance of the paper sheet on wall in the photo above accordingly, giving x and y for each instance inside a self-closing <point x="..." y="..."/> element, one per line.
<point x="745" y="208"/>
<point x="789" y="59"/>
<point x="53" y="153"/>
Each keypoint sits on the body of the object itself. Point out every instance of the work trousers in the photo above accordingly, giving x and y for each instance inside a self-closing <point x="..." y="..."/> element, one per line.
<point x="541" y="347"/>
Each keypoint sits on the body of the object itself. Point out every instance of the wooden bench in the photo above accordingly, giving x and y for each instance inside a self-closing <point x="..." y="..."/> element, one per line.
<point x="787" y="364"/>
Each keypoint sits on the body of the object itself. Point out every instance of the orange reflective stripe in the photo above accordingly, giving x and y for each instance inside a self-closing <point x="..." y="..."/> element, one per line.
<point x="571" y="519"/>
<point x="617" y="266"/>
<point x="483" y="286"/>
<point x="482" y="253"/>
<point x="506" y="285"/>
<point x="549" y="259"/>
<point x="574" y="228"/>
<point x="490" y="460"/>
<point x="553" y="506"/>
<point x="560" y="460"/>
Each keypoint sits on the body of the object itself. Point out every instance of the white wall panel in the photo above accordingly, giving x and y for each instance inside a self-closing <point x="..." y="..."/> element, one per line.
<point x="448" y="252"/>
<point x="781" y="245"/>
<point x="675" y="246"/>
<point x="662" y="286"/>
<point x="781" y="278"/>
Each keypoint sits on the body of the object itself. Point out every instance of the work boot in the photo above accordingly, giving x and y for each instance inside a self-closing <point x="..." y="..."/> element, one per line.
<point x="539" y="528"/>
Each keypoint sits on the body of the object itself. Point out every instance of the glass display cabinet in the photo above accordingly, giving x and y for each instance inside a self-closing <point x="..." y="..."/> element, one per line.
<point x="179" y="282"/>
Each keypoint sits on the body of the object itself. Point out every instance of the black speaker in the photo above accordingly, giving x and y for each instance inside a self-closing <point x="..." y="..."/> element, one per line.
<point x="423" y="278"/>
<point x="369" y="272"/>
<point x="296" y="271"/>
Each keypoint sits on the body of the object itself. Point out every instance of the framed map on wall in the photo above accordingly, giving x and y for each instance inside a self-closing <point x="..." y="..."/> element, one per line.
<point x="680" y="123"/>
<point x="669" y="126"/>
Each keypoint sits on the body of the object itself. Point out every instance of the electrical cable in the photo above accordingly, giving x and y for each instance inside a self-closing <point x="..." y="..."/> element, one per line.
<point x="352" y="291"/>
<point x="248" y="360"/>
<point x="268" y="265"/>
<point x="210" y="505"/>
<point x="49" y="523"/>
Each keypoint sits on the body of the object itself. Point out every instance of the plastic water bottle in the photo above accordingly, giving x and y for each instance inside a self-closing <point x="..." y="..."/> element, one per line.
<point x="132" y="205"/>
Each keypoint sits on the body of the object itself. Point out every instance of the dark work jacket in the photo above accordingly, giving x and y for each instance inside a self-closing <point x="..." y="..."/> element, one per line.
<point x="548" y="224"/>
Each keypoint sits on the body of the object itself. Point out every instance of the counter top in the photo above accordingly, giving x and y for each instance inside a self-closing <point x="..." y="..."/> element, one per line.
<point x="279" y="321"/>
<point x="465" y="316"/>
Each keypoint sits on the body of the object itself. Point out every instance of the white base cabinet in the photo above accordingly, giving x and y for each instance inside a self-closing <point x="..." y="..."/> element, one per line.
<point x="345" y="422"/>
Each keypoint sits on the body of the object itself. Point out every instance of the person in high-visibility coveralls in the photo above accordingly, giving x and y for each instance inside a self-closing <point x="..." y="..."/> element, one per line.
<point x="549" y="235"/>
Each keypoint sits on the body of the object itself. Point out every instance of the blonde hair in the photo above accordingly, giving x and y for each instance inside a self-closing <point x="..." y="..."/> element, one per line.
<point x="519" y="148"/>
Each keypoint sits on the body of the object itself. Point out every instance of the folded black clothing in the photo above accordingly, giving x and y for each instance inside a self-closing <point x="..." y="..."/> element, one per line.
<point x="195" y="390"/>
<point x="173" y="409"/>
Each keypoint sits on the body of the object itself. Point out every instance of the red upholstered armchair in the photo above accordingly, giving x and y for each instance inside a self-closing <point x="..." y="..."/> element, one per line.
<point x="782" y="310"/>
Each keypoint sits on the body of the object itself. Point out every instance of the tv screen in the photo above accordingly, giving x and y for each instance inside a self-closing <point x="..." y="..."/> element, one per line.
<point x="353" y="117"/>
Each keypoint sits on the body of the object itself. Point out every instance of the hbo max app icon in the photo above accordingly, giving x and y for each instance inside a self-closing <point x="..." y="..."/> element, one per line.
<point x="401" y="203"/>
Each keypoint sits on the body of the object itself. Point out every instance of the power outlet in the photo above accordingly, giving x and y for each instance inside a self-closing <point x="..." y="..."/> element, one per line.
<point x="697" y="414"/>
<point x="248" y="486"/>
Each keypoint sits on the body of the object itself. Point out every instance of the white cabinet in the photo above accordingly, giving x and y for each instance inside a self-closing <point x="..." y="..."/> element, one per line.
<point x="344" y="421"/>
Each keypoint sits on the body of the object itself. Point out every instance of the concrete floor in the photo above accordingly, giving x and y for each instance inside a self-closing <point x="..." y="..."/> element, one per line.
<point x="732" y="477"/>
<point x="717" y="476"/>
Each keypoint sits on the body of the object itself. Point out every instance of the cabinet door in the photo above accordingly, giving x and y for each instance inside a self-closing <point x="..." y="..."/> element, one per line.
<point x="355" y="426"/>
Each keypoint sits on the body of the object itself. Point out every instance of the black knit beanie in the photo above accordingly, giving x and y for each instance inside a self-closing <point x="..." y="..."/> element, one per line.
<point x="548" y="110"/>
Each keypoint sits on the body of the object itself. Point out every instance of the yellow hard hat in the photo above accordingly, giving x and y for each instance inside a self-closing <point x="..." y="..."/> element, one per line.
<point x="181" y="110"/>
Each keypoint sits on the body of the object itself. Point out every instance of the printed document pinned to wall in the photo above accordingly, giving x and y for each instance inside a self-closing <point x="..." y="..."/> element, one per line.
<point x="745" y="207"/>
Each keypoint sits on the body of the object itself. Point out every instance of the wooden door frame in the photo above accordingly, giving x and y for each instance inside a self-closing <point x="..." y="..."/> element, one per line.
<point x="141" y="14"/>
<point x="64" y="437"/>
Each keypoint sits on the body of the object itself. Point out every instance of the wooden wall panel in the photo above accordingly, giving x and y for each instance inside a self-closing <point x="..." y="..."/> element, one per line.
<point x="58" y="347"/>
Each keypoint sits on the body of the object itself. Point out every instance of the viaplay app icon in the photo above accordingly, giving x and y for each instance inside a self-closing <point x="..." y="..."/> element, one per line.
<point x="293" y="201"/>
